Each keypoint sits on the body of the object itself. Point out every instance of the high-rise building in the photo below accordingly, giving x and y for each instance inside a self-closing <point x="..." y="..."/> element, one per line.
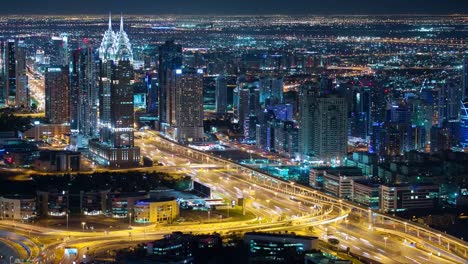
<point x="247" y="101"/>
<point x="84" y="98"/>
<point x="449" y="102"/>
<point x="22" y="92"/>
<point x="57" y="95"/>
<point x="107" y="48"/>
<point x="331" y="128"/>
<point x="151" y="82"/>
<point x="187" y="122"/>
<point x="123" y="47"/>
<point x="59" y="50"/>
<point x="307" y="95"/>
<point x="22" y="86"/>
<point x="465" y="78"/>
<point x="116" y="140"/>
<point x="324" y="124"/>
<point x="271" y="90"/>
<point x="209" y="92"/>
<point x="221" y="94"/>
<point x="122" y="118"/>
<point x="170" y="62"/>
<point x="464" y="125"/>
<point x="9" y="93"/>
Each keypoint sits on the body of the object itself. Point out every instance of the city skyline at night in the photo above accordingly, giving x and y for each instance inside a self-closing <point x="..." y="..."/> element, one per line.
<point x="234" y="132"/>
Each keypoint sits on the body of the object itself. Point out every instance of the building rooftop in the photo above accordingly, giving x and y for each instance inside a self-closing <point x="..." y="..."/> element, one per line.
<point x="281" y="235"/>
<point x="19" y="196"/>
<point x="155" y="200"/>
<point x="367" y="182"/>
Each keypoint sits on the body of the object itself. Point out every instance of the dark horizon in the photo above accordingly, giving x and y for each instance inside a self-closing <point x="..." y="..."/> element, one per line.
<point x="240" y="7"/>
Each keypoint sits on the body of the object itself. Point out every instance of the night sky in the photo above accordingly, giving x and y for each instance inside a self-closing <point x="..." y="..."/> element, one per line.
<point x="234" y="6"/>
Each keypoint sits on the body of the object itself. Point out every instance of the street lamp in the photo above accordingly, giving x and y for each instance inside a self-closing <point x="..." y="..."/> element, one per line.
<point x="385" y="239"/>
<point x="129" y="219"/>
<point x="67" y="220"/>
<point x="83" y="225"/>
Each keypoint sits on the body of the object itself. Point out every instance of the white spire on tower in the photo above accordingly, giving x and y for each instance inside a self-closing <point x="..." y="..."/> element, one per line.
<point x="123" y="48"/>
<point x="121" y="23"/>
<point x="110" y="21"/>
<point x="107" y="48"/>
<point x="116" y="45"/>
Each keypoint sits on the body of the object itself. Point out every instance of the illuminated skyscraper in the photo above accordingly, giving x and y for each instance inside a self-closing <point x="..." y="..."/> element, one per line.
<point x="324" y="124"/>
<point x="59" y="52"/>
<point x="465" y="78"/>
<point x="449" y="102"/>
<point x="221" y="95"/>
<point x="464" y="125"/>
<point x="151" y="82"/>
<point x="123" y="48"/>
<point x="15" y="90"/>
<point x="187" y="122"/>
<point x="9" y="93"/>
<point x="271" y="90"/>
<point x="57" y="95"/>
<point x="247" y="102"/>
<point x="116" y="141"/>
<point x="107" y="48"/>
<point x="307" y="94"/>
<point x="170" y="61"/>
<point x="84" y="98"/>
<point x="115" y="146"/>
<point x="22" y="85"/>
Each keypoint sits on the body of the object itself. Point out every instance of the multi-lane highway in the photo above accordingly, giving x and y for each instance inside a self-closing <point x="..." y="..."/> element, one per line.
<point x="275" y="209"/>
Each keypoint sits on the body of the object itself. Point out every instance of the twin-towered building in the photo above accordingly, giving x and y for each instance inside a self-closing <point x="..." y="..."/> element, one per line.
<point x="115" y="46"/>
<point x="115" y="146"/>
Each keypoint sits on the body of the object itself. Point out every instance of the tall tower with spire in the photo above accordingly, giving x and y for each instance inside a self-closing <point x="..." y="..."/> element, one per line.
<point x="115" y="146"/>
<point x="123" y="48"/>
<point x="116" y="46"/>
<point x="108" y="43"/>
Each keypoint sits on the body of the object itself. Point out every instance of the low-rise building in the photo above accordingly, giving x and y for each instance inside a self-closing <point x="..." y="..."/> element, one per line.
<point x="394" y="198"/>
<point x="17" y="207"/>
<point x="58" y="161"/>
<point x="324" y="258"/>
<point x="365" y="161"/>
<point x="19" y="153"/>
<point x="115" y="157"/>
<point x="48" y="131"/>
<point x="278" y="248"/>
<point x="173" y="248"/>
<point x="94" y="202"/>
<point x="316" y="174"/>
<point x="366" y="193"/>
<point x="121" y="204"/>
<point x="156" y="210"/>
<point x="53" y="202"/>
<point x="340" y="185"/>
